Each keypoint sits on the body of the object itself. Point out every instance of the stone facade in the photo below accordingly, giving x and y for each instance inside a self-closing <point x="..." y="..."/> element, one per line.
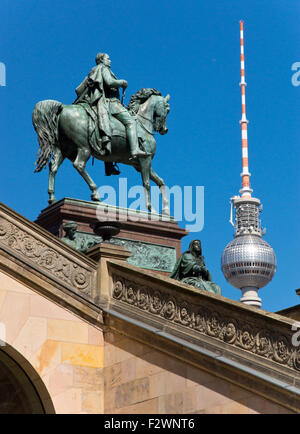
<point x="87" y="371"/>
<point x="66" y="352"/>
<point x="138" y="379"/>
<point x="118" y="339"/>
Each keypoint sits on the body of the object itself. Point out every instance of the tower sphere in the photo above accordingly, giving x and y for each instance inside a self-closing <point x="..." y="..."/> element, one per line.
<point x="248" y="261"/>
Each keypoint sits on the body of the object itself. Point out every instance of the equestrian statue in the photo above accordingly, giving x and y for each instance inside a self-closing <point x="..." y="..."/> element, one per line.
<point x="97" y="124"/>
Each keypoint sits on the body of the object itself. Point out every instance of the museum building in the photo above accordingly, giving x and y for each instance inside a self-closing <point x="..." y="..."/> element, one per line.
<point x="108" y="331"/>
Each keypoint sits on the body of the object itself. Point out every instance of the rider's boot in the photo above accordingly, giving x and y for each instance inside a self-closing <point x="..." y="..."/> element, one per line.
<point x="133" y="142"/>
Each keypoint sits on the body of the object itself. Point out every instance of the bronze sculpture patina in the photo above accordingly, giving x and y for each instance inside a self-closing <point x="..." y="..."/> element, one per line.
<point x="101" y="90"/>
<point x="71" y="239"/>
<point x="191" y="269"/>
<point x="98" y="125"/>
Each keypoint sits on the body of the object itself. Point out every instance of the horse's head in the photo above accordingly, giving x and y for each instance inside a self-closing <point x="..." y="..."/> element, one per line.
<point x="149" y="104"/>
<point x="160" y="114"/>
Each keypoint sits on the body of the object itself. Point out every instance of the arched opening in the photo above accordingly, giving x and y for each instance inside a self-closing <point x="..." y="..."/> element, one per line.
<point x="22" y="391"/>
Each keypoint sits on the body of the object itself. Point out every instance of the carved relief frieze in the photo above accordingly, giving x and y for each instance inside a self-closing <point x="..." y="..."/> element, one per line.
<point x="45" y="257"/>
<point x="245" y="334"/>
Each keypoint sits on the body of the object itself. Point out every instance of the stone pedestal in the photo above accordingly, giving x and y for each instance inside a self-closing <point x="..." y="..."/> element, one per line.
<point x="154" y="240"/>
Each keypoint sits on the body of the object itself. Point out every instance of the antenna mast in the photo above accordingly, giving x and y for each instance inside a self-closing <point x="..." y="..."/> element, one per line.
<point x="245" y="190"/>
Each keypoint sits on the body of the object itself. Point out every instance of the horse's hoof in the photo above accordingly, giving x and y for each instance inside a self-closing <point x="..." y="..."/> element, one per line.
<point x="95" y="197"/>
<point x="51" y="201"/>
<point x="166" y="211"/>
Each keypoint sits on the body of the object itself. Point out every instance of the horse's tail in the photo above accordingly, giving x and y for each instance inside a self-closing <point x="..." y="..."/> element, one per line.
<point x="44" y="119"/>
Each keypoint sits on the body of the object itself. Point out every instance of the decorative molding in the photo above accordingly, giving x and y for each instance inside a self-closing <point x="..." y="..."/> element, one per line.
<point x="243" y="334"/>
<point x="46" y="257"/>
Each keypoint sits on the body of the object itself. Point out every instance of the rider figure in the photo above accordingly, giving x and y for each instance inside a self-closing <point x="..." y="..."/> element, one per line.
<point x="101" y="88"/>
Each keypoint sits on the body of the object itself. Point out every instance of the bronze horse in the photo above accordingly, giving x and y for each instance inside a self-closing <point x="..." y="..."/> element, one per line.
<point x="62" y="132"/>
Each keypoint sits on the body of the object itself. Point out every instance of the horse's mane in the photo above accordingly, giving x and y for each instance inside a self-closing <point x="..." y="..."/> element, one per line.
<point x="139" y="98"/>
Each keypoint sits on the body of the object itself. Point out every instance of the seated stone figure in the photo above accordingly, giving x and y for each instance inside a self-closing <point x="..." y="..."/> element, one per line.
<point x="191" y="269"/>
<point x="70" y="238"/>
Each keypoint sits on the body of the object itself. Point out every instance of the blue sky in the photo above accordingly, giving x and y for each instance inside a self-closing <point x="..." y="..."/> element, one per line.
<point x="189" y="49"/>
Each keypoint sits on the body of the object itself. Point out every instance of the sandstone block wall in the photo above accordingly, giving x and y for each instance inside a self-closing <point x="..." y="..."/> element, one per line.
<point x="87" y="371"/>
<point x="138" y="379"/>
<point x="65" y="351"/>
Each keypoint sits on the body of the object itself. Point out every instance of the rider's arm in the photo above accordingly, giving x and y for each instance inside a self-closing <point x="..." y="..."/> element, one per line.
<point x="81" y="87"/>
<point x="109" y="80"/>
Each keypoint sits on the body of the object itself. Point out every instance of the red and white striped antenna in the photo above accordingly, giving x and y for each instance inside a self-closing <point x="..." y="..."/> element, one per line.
<point x="245" y="190"/>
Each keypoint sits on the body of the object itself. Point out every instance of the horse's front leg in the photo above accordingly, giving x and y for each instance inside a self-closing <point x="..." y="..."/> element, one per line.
<point x="54" y="164"/>
<point x="145" y="166"/>
<point x="160" y="183"/>
<point x="80" y="163"/>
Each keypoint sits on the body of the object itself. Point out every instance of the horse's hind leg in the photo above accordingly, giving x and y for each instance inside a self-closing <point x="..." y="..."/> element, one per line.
<point x="80" y="162"/>
<point x="54" y="164"/>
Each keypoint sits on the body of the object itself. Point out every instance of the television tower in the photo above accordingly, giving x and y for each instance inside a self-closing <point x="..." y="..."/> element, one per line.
<point x="248" y="262"/>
